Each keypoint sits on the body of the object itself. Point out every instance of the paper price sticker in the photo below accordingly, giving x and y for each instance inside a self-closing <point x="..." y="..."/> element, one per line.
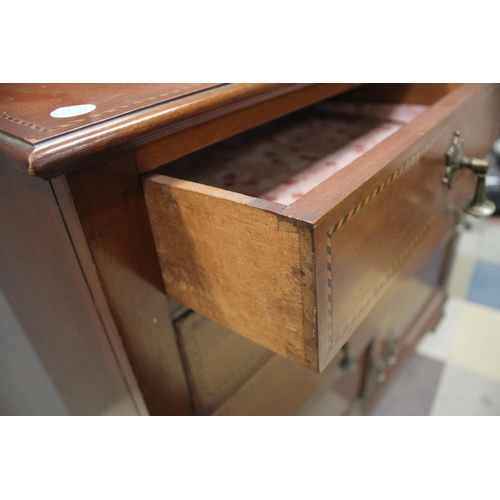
<point x="70" y="111"/>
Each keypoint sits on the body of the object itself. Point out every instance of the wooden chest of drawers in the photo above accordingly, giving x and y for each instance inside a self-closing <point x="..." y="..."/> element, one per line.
<point x="151" y="209"/>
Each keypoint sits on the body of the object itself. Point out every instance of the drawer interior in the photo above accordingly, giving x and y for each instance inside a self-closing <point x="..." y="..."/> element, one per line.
<point x="283" y="160"/>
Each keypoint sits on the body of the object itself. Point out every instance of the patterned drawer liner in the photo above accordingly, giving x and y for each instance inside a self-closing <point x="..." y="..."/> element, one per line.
<point x="285" y="159"/>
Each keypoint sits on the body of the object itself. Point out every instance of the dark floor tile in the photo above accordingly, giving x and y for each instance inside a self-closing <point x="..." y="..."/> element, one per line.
<point x="412" y="391"/>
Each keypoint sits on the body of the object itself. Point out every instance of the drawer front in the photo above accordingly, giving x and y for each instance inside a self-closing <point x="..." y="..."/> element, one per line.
<point x="391" y="206"/>
<point x="218" y="360"/>
<point x="300" y="279"/>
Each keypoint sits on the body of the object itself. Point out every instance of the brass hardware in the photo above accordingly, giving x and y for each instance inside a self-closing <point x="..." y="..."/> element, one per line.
<point x="377" y="366"/>
<point x="348" y="364"/>
<point x="461" y="224"/>
<point x="479" y="206"/>
<point x="379" y="370"/>
<point x="458" y="214"/>
<point x="390" y="352"/>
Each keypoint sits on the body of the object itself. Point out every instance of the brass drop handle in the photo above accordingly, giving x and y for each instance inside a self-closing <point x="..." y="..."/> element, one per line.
<point x="348" y="364"/>
<point x="376" y="365"/>
<point x="378" y="370"/>
<point x="479" y="205"/>
<point x="461" y="224"/>
<point x="390" y="352"/>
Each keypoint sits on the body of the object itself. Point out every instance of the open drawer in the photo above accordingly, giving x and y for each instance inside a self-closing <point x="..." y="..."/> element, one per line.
<point x="298" y="276"/>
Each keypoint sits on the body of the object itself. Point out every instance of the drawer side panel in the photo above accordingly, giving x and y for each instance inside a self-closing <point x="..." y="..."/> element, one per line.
<point x="227" y="257"/>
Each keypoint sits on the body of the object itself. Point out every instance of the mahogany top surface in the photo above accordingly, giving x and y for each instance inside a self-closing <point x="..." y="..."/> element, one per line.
<point x="125" y="115"/>
<point x="26" y="108"/>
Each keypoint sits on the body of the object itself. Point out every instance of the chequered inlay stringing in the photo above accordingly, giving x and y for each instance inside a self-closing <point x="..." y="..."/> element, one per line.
<point x="333" y="338"/>
<point x="329" y="236"/>
<point x="41" y="128"/>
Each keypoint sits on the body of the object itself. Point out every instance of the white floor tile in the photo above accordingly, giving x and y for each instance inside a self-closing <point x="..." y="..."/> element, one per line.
<point x="461" y="276"/>
<point x="489" y="244"/>
<point x="437" y="344"/>
<point x="468" y="243"/>
<point x="476" y="345"/>
<point x="461" y="392"/>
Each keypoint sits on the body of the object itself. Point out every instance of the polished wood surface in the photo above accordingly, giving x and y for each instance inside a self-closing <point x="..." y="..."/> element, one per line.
<point x="41" y="277"/>
<point x="408" y="93"/>
<point x="128" y="119"/>
<point x="26" y="108"/>
<point x="267" y="271"/>
<point x="390" y="204"/>
<point x="109" y="208"/>
<point x="173" y="146"/>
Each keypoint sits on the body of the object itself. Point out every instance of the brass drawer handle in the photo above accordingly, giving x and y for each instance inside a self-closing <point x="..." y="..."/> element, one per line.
<point x="348" y="364"/>
<point x="377" y="367"/>
<point x="479" y="205"/>
<point x="390" y="352"/>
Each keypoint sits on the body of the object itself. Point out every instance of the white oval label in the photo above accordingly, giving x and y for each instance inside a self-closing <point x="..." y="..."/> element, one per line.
<point x="69" y="111"/>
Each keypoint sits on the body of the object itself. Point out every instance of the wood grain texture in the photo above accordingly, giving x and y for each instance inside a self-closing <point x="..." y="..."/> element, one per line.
<point x="387" y="206"/>
<point x="218" y="360"/>
<point x="63" y="150"/>
<point x="411" y="306"/>
<point x="68" y="211"/>
<point x="342" y="244"/>
<point x="407" y="93"/>
<point x="43" y="282"/>
<point x="257" y="267"/>
<point x="110" y="207"/>
<point x="228" y="257"/>
<point x="291" y="388"/>
<point x="281" y="387"/>
<point x="26" y="108"/>
<point x="173" y="146"/>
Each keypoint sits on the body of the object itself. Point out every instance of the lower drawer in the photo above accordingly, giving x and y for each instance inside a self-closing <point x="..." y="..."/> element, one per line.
<point x="281" y="387"/>
<point x="218" y="361"/>
<point x="229" y="374"/>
